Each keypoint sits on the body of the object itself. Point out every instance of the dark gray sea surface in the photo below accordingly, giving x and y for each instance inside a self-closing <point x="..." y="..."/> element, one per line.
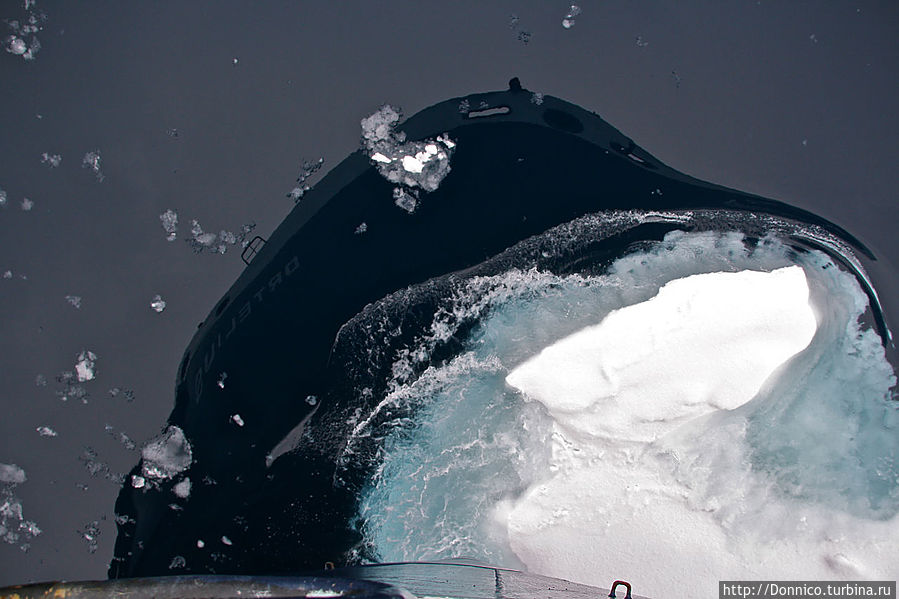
<point x="123" y="112"/>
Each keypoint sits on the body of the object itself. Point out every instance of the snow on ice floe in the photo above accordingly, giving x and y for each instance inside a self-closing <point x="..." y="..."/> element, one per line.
<point x="166" y="456"/>
<point x="413" y="166"/>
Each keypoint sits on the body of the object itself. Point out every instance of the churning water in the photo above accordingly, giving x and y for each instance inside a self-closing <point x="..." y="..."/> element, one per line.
<point x="676" y="430"/>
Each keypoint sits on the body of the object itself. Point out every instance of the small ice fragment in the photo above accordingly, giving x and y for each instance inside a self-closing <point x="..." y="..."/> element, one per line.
<point x="2" y="198"/>
<point x="641" y="43"/>
<point x="813" y="38"/>
<point x="91" y="534"/>
<point x="75" y="300"/>
<point x="85" y="366"/>
<point x="16" y="45"/>
<point x="237" y="419"/>
<point x="226" y="541"/>
<point x="7" y="274"/>
<point x="46" y="431"/>
<point x="805" y="142"/>
<point x="537" y="98"/>
<point x="52" y="159"/>
<point x="200" y="543"/>
<point x="379" y="157"/>
<point x="311" y="400"/>
<point x="178" y="561"/>
<point x="40" y="380"/>
<point x="362" y="228"/>
<point x="221" y="381"/>
<point x="91" y="160"/>
<point x="676" y="77"/>
<point x="464" y="107"/>
<point x="158" y="304"/>
<point x="234" y="61"/>
<point x="182" y="489"/>
<point x="166" y="455"/>
<point x="10" y="473"/>
<point x="405" y="200"/>
<point x="169" y="220"/>
<point x="172" y="132"/>
<point x="413" y="164"/>
<point x="573" y="11"/>
<point x="27" y="205"/>
<point x="138" y="482"/>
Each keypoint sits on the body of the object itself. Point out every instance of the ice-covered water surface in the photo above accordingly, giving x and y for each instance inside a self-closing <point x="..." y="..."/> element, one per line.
<point x="797" y="478"/>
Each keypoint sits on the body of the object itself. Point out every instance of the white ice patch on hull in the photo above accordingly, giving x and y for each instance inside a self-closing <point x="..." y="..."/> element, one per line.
<point x="705" y="342"/>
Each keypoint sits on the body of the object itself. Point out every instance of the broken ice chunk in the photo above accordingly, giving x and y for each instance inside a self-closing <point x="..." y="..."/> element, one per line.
<point x="75" y="300"/>
<point x="46" y="431"/>
<point x="311" y="400"/>
<point x="169" y="220"/>
<point x="182" y="489"/>
<point x="91" y="534"/>
<point x="10" y="473"/>
<point x="91" y="160"/>
<point x="405" y="200"/>
<point x="237" y="419"/>
<point x="167" y="455"/>
<point x="226" y="540"/>
<point x="158" y="304"/>
<point x="362" y="228"/>
<point x="52" y="159"/>
<point x="573" y="11"/>
<point x="85" y="367"/>
<point x="138" y="482"/>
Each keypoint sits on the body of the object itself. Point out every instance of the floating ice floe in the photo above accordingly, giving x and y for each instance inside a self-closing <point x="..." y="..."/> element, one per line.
<point x="182" y="489"/>
<point x="237" y="419"/>
<point x="158" y="304"/>
<point x="309" y="168"/>
<point x="85" y="367"/>
<point x="413" y="166"/>
<point x="362" y="228"/>
<point x="219" y="244"/>
<point x="18" y="42"/>
<point x="52" y="159"/>
<point x="12" y="474"/>
<point x="46" y="431"/>
<point x="91" y="535"/>
<point x="14" y="528"/>
<point x="91" y="160"/>
<point x="573" y="11"/>
<point x="169" y="220"/>
<point x="167" y="455"/>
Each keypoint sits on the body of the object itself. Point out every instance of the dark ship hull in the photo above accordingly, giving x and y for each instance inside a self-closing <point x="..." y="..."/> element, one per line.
<point x="292" y="325"/>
